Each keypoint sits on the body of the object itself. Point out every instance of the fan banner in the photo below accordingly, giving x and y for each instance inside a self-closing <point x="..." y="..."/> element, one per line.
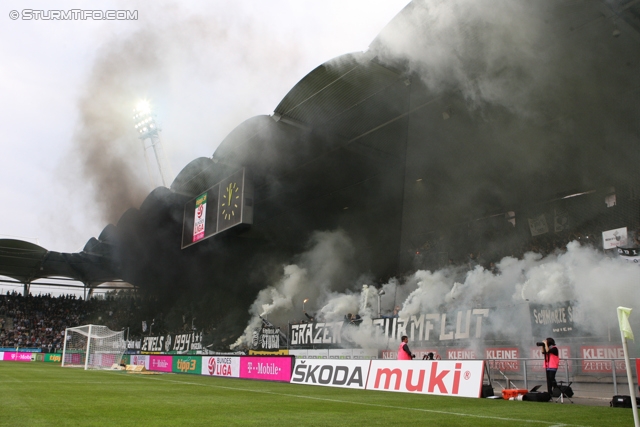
<point x="538" y="225"/>
<point x="611" y="239"/>
<point x="424" y="329"/>
<point x="552" y="319"/>
<point x="461" y="378"/>
<point x="630" y="254"/>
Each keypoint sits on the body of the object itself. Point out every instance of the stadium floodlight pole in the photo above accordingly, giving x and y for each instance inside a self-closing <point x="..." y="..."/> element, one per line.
<point x="148" y="130"/>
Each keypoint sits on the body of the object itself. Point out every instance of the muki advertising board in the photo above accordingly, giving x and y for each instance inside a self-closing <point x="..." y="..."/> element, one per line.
<point x="461" y="378"/>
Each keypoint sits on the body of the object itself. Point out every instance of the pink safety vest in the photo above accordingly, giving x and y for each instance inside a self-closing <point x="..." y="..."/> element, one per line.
<point x="402" y="355"/>
<point x="553" y="361"/>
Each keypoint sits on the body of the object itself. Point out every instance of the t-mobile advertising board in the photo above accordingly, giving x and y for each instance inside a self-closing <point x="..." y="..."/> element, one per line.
<point x="461" y="378"/>
<point x="537" y="365"/>
<point x="160" y="363"/>
<point x="17" y="356"/>
<point x="332" y="373"/>
<point x="598" y="358"/>
<point x="221" y="366"/>
<point x="276" y="368"/>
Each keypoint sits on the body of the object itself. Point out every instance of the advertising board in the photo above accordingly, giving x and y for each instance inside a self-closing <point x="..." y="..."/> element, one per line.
<point x="221" y="366"/>
<point x="461" y="354"/>
<point x="13" y="356"/>
<point x="160" y="363"/>
<point x="53" y="357"/>
<point x="537" y="365"/>
<point x="461" y="378"/>
<point x="331" y="373"/>
<point x="598" y="358"/>
<point x="503" y="358"/>
<point x="187" y="365"/>
<point x="139" y="360"/>
<point x="277" y="368"/>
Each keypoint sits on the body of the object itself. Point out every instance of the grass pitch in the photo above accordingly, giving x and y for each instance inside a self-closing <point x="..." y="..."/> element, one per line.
<point x="42" y="394"/>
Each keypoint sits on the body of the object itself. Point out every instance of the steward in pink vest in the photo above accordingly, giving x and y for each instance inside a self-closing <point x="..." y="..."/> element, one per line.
<point x="403" y="350"/>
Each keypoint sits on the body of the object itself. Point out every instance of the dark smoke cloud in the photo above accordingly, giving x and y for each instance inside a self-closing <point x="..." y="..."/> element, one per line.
<point x="158" y="60"/>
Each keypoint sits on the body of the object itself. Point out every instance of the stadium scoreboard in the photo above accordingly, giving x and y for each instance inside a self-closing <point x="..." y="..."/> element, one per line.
<point x="227" y="204"/>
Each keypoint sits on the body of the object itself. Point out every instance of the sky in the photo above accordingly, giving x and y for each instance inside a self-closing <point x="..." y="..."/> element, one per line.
<point x="205" y="68"/>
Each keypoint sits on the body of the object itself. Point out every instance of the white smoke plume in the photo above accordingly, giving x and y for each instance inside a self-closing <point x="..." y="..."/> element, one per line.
<point x="595" y="282"/>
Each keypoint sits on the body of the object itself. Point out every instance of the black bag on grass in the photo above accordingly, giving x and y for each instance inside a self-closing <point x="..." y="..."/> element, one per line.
<point x="487" y="390"/>
<point x="537" y="396"/>
<point x="621" y="401"/>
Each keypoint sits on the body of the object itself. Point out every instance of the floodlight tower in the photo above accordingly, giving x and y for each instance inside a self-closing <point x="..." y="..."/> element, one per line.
<point x="148" y="132"/>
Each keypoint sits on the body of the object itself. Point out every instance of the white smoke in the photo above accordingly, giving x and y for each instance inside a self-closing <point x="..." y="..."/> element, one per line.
<point x="595" y="282"/>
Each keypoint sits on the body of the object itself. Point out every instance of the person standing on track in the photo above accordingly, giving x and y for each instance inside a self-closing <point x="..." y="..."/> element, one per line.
<point x="403" y="350"/>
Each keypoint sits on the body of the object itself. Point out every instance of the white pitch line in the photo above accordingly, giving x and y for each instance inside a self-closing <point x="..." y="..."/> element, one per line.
<point x="459" y="414"/>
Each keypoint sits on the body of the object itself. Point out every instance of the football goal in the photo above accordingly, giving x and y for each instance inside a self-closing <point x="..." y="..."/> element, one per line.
<point x="92" y="347"/>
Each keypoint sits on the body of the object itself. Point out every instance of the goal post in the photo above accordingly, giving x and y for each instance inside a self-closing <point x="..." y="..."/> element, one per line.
<point x="92" y="347"/>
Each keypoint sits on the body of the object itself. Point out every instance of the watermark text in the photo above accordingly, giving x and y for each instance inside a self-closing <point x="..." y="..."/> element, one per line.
<point x="74" y="15"/>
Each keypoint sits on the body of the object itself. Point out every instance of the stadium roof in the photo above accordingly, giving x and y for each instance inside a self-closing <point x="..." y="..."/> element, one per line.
<point x="26" y="263"/>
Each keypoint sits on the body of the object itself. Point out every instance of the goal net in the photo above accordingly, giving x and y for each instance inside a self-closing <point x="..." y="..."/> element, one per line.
<point x="92" y="347"/>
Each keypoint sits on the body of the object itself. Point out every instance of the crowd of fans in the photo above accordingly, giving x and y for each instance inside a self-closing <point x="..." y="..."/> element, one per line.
<point x="40" y="321"/>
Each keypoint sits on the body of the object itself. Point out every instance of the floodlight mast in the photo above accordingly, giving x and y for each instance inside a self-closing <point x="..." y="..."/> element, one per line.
<point x="147" y="128"/>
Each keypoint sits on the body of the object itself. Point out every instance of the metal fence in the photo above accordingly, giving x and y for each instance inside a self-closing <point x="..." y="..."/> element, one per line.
<point x="590" y="378"/>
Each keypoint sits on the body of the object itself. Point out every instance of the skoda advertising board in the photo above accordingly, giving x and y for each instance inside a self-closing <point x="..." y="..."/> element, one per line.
<point x="345" y="373"/>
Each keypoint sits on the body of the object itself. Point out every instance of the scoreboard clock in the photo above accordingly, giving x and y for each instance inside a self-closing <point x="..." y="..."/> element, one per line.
<point x="227" y="204"/>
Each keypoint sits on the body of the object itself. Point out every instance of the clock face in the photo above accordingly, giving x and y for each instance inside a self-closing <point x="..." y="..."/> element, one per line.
<point x="230" y="201"/>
